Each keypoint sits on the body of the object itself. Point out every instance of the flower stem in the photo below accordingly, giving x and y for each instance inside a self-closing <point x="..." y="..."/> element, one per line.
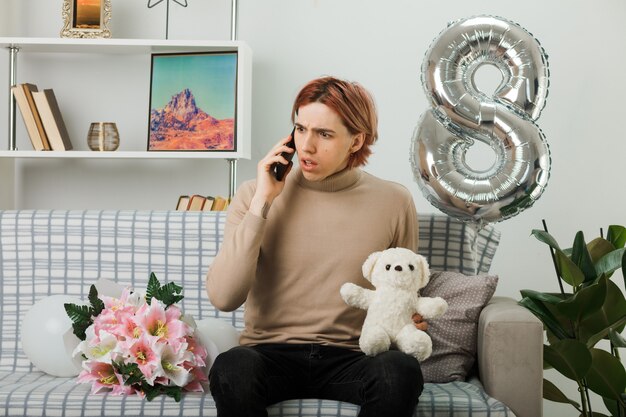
<point x="588" y="397"/>
<point x="583" y="400"/>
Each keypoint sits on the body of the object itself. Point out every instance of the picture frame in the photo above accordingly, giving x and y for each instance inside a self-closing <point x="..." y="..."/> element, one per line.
<point x="193" y="102"/>
<point x="86" y="19"/>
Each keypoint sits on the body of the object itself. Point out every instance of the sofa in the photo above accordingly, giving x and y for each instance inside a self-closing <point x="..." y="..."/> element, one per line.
<point x="46" y="252"/>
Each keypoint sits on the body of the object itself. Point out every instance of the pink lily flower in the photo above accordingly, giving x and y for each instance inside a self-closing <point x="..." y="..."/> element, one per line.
<point x="161" y="323"/>
<point x="199" y="378"/>
<point x="142" y="352"/>
<point x="103" y="377"/>
<point x="198" y="351"/>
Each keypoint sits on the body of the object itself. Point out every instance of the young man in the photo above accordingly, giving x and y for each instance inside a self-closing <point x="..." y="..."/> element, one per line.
<point x="289" y="246"/>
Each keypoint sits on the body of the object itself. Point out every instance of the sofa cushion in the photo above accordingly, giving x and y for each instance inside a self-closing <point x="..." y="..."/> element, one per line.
<point x="451" y="245"/>
<point x="454" y="334"/>
<point x="39" y="394"/>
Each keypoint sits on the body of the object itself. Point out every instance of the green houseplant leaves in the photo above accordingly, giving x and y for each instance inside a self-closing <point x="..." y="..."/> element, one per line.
<point x="576" y="321"/>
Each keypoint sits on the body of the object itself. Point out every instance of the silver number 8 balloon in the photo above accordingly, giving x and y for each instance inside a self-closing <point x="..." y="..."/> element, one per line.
<point x="461" y="114"/>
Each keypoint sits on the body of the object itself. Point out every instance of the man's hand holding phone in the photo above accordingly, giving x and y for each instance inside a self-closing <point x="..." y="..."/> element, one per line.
<point x="276" y="164"/>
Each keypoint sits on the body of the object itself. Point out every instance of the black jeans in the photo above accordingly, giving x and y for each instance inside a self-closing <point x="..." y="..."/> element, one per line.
<point x="245" y="380"/>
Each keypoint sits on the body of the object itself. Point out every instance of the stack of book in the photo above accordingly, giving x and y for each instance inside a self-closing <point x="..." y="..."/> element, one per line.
<point x="201" y="203"/>
<point x="42" y="117"/>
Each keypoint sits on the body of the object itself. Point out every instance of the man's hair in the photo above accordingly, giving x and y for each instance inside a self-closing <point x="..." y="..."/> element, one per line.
<point x="353" y="104"/>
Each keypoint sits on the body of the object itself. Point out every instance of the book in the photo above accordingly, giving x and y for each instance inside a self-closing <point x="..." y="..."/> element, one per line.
<point x="28" y="109"/>
<point x="220" y="204"/>
<point x="29" y="89"/>
<point x="196" y="202"/>
<point x="208" y="205"/>
<point x="52" y="120"/>
<point x="183" y="202"/>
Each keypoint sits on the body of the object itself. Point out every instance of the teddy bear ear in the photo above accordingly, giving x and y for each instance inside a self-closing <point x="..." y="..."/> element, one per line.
<point x="423" y="265"/>
<point x="368" y="265"/>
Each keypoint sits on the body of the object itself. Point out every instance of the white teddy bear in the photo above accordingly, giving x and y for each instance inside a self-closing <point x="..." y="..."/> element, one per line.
<point x="398" y="274"/>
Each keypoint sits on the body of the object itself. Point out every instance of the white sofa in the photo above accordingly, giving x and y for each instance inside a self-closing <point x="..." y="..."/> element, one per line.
<point x="63" y="252"/>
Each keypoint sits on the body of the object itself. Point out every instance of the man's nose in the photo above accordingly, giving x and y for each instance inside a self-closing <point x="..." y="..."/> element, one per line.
<point x="308" y="142"/>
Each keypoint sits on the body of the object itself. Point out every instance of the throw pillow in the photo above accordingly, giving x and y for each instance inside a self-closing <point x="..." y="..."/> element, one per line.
<point x="455" y="333"/>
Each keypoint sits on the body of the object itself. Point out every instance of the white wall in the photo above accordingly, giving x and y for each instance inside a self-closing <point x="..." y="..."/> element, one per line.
<point x="381" y="45"/>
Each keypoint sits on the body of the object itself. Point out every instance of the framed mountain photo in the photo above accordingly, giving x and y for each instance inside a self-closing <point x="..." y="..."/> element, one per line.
<point x="193" y="100"/>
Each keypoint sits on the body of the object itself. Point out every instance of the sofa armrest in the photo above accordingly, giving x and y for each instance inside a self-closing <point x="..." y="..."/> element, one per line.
<point x="510" y="356"/>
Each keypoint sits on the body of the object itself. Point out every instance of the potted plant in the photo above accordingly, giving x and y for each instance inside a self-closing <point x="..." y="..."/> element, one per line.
<point x="583" y="325"/>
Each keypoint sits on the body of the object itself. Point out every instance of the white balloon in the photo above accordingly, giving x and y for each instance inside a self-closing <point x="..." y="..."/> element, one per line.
<point x="211" y="351"/>
<point x="217" y="331"/>
<point x="47" y="337"/>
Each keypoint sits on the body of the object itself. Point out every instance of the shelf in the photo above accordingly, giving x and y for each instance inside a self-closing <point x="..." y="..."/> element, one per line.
<point x="116" y="46"/>
<point x="117" y="155"/>
<point x="120" y="50"/>
<point x="146" y="47"/>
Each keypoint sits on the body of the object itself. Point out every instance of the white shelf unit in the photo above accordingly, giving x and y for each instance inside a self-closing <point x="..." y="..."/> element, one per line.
<point x="50" y="46"/>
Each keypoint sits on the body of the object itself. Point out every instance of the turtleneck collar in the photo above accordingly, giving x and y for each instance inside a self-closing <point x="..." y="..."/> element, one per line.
<point x="336" y="182"/>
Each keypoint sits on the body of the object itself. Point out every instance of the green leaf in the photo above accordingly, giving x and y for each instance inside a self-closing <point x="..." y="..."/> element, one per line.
<point x="151" y="391"/>
<point x="570" y="357"/>
<point x="624" y="267"/>
<point x="612" y="406"/>
<point x="617" y="235"/>
<point x="174" y="392"/>
<point x="552" y="393"/>
<point x="547" y="318"/>
<point x="610" y="262"/>
<point x="545" y="308"/>
<point x="585" y="302"/>
<point x="598" y="248"/>
<point x="152" y="288"/>
<point x="82" y="315"/>
<point x="570" y="272"/>
<point x="546" y="238"/>
<point x="77" y="312"/>
<point x="617" y="339"/>
<point x="591" y="342"/>
<point x="582" y="258"/>
<point x="606" y="376"/>
<point x="168" y="294"/>
<point x="81" y="318"/>
<point x="131" y="374"/>
<point x="97" y="304"/>
<point x="612" y="311"/>
<point x="543" y="296"/>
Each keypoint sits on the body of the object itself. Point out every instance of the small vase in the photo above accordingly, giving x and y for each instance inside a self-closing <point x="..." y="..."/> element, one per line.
<point x="103" y="136"/>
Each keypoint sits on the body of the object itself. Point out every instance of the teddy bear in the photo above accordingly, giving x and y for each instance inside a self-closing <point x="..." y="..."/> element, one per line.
<point x="397" y="275"/>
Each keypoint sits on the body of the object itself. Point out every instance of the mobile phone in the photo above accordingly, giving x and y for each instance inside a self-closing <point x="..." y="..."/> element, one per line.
<point x="279" y="169"/>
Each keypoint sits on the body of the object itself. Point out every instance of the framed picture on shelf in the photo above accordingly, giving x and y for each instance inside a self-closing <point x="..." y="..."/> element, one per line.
<point x="193" y="101"/>
<point x="86" y="18"/>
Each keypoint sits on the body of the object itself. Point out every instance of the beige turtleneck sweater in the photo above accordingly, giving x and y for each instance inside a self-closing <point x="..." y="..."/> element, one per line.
<point x="289" y="267"/>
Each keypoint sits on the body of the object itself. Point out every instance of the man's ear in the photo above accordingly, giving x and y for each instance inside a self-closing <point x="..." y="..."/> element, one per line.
<point x="368" y="265"/>
<point x="357" y="142"/>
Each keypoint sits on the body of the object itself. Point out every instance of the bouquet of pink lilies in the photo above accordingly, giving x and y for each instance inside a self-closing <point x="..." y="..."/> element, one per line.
<point x="138" y="345"/>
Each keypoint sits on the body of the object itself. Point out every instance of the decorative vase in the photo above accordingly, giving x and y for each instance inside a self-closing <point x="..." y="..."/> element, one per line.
<point x="103" y="136"/>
